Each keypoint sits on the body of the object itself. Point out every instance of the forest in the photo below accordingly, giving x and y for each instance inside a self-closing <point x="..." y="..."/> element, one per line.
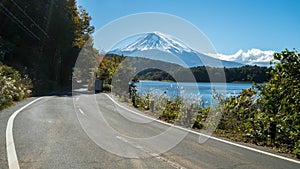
<point x="42" y="39"/>
<point x="242" y="74"/>
<point x="245" y="74"/>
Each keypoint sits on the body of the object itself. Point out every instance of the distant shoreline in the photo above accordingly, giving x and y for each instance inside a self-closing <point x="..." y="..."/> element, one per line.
<point x="243" y="82"/>
<point x="234" y="82"/>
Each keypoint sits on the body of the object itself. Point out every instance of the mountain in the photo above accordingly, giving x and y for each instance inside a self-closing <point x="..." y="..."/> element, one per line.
<point x="158" y="46"/>
<point x="249" y="57"/>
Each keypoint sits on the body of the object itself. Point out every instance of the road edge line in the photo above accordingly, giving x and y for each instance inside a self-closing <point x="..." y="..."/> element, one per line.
<point x="12" y="158"/>
<point x="208" y="136"/>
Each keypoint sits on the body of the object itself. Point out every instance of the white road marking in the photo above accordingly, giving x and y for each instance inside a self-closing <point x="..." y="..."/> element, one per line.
<point x="171" y="163"/>
<point x="207" y="136"/>
<point x="82" y="112"/>
<point x="122" y="138"/>
<point x="80" y="90"/>
<point x="12" y="158"/>
<point x="139" y="114"/>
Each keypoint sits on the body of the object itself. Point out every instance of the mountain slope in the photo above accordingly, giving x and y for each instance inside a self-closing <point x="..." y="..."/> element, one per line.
<point x="158" y="46"/>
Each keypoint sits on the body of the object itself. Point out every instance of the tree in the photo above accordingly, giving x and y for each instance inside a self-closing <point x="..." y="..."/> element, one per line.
<point x="47" y="36"/>
<point x="273" y="118"/>
<point x="281" y="99"/>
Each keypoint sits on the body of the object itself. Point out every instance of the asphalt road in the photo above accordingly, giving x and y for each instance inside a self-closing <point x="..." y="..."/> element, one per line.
<point x="90" y="131"/>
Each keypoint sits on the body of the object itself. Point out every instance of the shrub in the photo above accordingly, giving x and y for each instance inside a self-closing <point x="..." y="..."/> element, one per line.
<point x="201" y="118"/>
<point x="252" y="117"/>
<point x="13" y="86"/>
<point x="281" y="100"/>
<point x="172" y="110"/>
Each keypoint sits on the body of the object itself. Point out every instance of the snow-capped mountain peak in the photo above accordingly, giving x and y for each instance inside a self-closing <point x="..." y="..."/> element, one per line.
<point x="158" y="46"/>
<point x="157" y="41"/>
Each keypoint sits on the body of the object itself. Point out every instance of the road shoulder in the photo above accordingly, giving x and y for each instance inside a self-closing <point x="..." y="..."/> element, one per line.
<point x="4" y="116"/>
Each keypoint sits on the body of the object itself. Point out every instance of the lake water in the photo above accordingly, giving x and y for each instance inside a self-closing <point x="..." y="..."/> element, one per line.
<point x="193" y="91"/>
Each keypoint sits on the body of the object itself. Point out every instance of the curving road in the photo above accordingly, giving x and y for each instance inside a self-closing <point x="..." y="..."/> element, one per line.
<point x="91" y="131"/>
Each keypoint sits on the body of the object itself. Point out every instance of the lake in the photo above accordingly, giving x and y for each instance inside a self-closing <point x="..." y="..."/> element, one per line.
<point x="195" y="92"/>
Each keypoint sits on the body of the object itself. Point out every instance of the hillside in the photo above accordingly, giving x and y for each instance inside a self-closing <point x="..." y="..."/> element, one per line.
<point x="148" y="69"/>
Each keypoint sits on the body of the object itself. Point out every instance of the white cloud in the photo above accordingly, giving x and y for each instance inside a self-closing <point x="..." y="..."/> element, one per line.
<point x="250" y="57"/>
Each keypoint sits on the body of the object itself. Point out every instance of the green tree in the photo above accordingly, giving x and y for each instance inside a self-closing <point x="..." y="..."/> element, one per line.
<point x="271" y="119"/>
<point x="281" y="99"/>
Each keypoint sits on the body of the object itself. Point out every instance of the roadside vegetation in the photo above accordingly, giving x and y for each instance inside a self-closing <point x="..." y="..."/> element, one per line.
<point x="14" y="86"/>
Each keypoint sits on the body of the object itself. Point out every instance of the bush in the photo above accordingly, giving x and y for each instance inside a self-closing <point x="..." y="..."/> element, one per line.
<point x="251" y="117"/>
<point x="13" y="86"/>
<point x="281" y="100"/>
<point x="201" y="118"/>
<point x="172" y="110"/>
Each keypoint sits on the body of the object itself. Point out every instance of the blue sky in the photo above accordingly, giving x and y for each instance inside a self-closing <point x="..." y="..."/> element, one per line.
<point x="229" y="24"/>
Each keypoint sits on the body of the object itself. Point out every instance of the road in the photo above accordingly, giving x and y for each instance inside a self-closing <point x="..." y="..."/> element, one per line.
<point x="90" y="131"/>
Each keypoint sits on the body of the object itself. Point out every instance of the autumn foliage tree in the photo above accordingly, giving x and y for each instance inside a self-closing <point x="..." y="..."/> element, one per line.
<point x="46" y="37"/>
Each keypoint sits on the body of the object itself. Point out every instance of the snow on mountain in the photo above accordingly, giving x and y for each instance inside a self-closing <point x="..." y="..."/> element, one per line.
<point x="156" y="40"/>
<point x="250" y="57"/>
<point x="158" y="46"/>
